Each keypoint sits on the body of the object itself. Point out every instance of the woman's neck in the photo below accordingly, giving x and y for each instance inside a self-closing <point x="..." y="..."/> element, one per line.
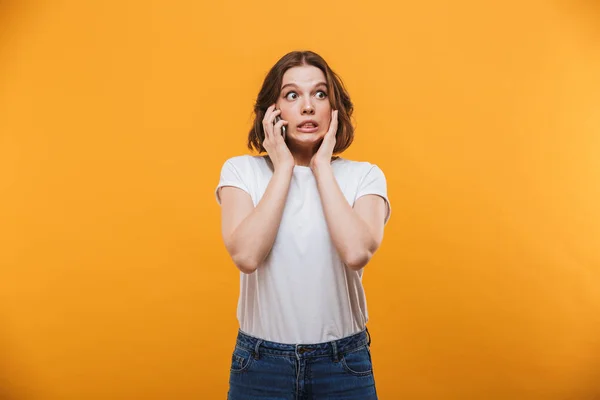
<point x="303" y="156"/>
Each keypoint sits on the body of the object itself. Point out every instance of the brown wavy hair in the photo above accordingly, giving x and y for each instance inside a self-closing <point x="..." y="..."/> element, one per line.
<point x="271" y="89"/>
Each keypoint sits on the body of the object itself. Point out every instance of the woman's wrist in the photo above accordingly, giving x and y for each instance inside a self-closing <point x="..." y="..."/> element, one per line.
<point x="284" y="170"/>
<point x="320" y="169"/>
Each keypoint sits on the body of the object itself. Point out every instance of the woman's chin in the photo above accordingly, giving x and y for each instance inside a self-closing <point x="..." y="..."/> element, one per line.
<point x="305" y="139"/>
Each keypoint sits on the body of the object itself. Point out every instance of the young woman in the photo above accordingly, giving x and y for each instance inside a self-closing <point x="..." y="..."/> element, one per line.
<point x="301" y="224"/>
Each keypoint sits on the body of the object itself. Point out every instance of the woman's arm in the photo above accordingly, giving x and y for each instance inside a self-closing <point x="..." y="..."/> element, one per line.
<point x="249" y="232"/>
<point x="356" y="232"/>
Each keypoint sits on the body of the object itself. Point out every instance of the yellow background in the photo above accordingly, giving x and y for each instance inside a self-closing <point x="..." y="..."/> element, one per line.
<point x="116" y="117"/>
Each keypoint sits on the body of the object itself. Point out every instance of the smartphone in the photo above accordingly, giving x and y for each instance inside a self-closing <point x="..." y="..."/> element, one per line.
<point x="283" y="128"/>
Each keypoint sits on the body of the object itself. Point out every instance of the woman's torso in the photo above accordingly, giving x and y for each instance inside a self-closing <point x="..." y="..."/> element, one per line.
<point x="302" y="293"/>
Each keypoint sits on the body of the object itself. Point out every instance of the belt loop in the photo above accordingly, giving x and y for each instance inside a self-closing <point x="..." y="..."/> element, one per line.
<point x="335" y="352"/>
<point x="369" y="336"/>
<point x="256" y="351"/>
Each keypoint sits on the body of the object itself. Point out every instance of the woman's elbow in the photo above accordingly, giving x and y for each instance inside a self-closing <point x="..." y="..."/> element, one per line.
<point x="245" y="264"/>
<point x="357" y="260"/>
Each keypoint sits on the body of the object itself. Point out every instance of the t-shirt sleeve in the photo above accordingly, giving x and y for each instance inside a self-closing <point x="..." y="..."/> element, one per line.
<point x="374" y="182"/>
<point x="231" y="175"/>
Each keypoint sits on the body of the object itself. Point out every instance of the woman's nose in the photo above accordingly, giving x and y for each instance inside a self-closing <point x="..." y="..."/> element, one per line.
<point x="308" y="108"/>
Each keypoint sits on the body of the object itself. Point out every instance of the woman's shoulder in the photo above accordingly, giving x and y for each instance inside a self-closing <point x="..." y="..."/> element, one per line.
<point x="246" y="161"/>
<point x="353" y="166"/>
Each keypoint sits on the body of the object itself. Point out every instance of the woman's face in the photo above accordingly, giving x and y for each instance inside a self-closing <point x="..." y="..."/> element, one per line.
<point x="304" y="98"/>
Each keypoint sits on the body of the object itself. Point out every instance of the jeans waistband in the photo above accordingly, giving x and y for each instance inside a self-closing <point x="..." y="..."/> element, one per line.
<point x="333" y="348"/>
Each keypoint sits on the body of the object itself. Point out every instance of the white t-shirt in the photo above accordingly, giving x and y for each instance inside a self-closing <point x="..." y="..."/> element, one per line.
<point x="302" y="293"/>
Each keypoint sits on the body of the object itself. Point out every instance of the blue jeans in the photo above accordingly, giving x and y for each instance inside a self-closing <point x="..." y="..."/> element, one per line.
<point x="340" y="369"/>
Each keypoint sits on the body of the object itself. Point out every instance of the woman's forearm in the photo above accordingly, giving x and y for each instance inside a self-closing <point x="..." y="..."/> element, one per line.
<point x="252" y="240"/>
<point x="349" y="232"/>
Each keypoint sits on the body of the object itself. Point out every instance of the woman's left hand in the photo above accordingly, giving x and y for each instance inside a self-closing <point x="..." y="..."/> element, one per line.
<point x="323" y="156"/>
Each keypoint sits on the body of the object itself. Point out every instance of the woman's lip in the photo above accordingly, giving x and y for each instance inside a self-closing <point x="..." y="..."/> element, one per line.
<point x="307" y="130"/>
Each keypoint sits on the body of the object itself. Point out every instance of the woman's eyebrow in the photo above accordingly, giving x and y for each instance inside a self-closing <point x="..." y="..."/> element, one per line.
<point x="293" y="84"/>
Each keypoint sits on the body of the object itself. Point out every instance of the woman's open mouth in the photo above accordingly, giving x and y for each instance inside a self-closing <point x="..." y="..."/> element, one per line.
<point x="308" y="127"/>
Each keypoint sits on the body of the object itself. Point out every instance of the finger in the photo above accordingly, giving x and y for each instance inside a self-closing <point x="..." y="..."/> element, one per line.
<point x="268" y="114"/>
<point x="277" y="127"/>
<point x="268" y="121"/>
<point x="268" y="125"/>
<point x="334" y="123"/>
<point x="272" y="115"/>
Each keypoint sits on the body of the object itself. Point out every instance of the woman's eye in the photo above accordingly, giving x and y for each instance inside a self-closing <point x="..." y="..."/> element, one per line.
<point x="323" y="94"/>
<point x="291" y="96"/>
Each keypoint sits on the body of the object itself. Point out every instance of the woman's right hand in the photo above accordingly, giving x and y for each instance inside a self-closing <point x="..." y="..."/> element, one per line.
<point x="274" y="144"/>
